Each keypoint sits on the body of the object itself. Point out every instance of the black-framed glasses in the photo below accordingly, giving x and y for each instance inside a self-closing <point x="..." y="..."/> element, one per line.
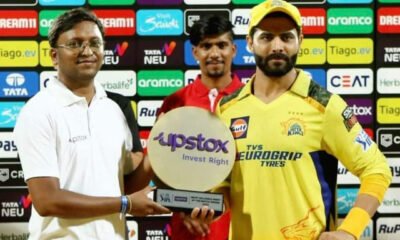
<point x="79" y="46"/>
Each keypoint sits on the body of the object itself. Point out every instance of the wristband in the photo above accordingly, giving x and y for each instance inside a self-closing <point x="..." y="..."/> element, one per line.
<point x="355" y="222"/>
<point x="124" y="204"/>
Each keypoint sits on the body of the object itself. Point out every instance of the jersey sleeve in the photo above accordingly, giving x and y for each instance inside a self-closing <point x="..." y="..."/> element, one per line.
<point x="36" y="142"/>
<point x="344" y="138"/>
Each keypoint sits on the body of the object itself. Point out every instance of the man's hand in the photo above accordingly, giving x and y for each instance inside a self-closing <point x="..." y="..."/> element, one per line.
<point x="336" y="235"/>
<point x="142" y="205"/>
<point x="199" y="220"/>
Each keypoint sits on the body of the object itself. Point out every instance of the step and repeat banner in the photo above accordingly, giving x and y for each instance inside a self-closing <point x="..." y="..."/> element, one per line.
<point x="351" y="47"/>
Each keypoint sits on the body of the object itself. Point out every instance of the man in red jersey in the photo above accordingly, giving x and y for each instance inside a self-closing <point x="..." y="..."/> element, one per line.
<point x="213" y="48"/>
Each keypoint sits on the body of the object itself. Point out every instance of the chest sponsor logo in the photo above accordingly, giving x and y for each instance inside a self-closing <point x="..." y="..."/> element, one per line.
<point x="18" y="3"/>
<point x="119" y="53"/>
<point x="318" y="75"/>
<point x="11" y="175"/>
<point x="388" y="80"/>
<point x="61" y="2"/>
<point x="19" y="84"/>
<point x="350" y="20"/>
<point x="391" y="202"/>
<point x="118" y="81"/>
<point x="159" y="83"/>
<point x="362" y="108"/>
<point x="9" y="112"/>
<point x="346" y="199"/>
<point x="15" y="205"/>
<point x="114" y="2"/>
<point x="160" y="53"/>
<point x="147" y="111"/>
<point x="312" y="51"/>
<point x="389" y="20"/>
<point x="190" y="76"/>
<point x="23" y="23"/>
<point x="240" y="19"/>
<point x="388" y="110"/>
<point x="117" y="22"/>
<point x="350" y="81"/>
<point x="159" y="22"/>
<point x="388" y="140"/>
<point x="313" y="20"/>
<point x="243" y="55"/>
<point x="193" y="15"/>
<point x="387" y="228"/>
<point x="239" y="127"/>
<point x="8" y="148"/>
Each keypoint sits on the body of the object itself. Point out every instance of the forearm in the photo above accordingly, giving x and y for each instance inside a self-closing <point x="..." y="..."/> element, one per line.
<point x="139" y="178"/>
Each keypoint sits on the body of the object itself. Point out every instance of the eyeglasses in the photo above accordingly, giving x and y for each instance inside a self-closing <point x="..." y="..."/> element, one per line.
<point x="78" y="46"/>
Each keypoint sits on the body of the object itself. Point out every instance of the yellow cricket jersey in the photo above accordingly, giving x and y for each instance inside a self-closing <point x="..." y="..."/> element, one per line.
<point x="283" y="183"/>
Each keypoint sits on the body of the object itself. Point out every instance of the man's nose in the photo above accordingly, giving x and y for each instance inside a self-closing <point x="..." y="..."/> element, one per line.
<point x="214" y="51"/>
<point x="277" y="45"/>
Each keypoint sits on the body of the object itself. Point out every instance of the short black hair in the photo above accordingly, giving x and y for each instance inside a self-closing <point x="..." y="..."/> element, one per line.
<point x="277" y="14"/>
<point x="210" y="25"/>
<point x="68" y="20"/>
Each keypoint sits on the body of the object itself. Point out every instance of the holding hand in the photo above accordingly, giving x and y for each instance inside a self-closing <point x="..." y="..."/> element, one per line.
<point x="142" y="205"/>
<point x="336" y="235"/>
<point x="199" y="220"/>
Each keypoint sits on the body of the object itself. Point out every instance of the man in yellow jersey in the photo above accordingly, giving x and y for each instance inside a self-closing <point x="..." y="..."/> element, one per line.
<point x="290" y="134"/>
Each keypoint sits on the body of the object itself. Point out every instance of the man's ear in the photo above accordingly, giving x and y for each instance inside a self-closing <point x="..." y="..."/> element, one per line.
<point x="194" y="53"/>
<point x="54" y="57"/>
<point x="249" y="43"/>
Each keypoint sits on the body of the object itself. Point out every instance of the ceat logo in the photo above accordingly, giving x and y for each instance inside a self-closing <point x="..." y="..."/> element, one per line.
<point x="350" y="81"/>
<point x="239" y="127"/>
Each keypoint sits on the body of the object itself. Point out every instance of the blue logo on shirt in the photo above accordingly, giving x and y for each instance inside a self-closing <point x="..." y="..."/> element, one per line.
<point x="158" y="22"/>
<point x="19" y="84"/>
<point x="9" y="112"/>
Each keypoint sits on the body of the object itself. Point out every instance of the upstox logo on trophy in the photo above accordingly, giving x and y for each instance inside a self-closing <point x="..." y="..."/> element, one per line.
<point x="191" y="151"/>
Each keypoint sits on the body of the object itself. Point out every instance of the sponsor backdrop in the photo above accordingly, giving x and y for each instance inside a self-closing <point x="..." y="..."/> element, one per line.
<point x="352" y="48"/>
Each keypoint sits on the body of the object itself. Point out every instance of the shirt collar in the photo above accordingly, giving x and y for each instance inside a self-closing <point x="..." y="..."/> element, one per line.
<point x="66" y="97"/>
<point x="300" y="86"/>
<point x="202" y="90"/>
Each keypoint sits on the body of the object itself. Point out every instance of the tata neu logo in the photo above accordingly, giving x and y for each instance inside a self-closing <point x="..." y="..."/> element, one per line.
<point x="389" y="20"/>
<point x="350" y="81"/>
<point x="120" y="53"/>
<point x="23" y="23"/>
<point x="314" y="20"/>
<point x="388" y="140"/>
<point x="117" y="22"/>
<point x="160" y="53"/>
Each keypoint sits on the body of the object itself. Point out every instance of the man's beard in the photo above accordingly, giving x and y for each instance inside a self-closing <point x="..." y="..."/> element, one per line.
<point x="275" y="71"/>
<point x="216" y="73"/>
